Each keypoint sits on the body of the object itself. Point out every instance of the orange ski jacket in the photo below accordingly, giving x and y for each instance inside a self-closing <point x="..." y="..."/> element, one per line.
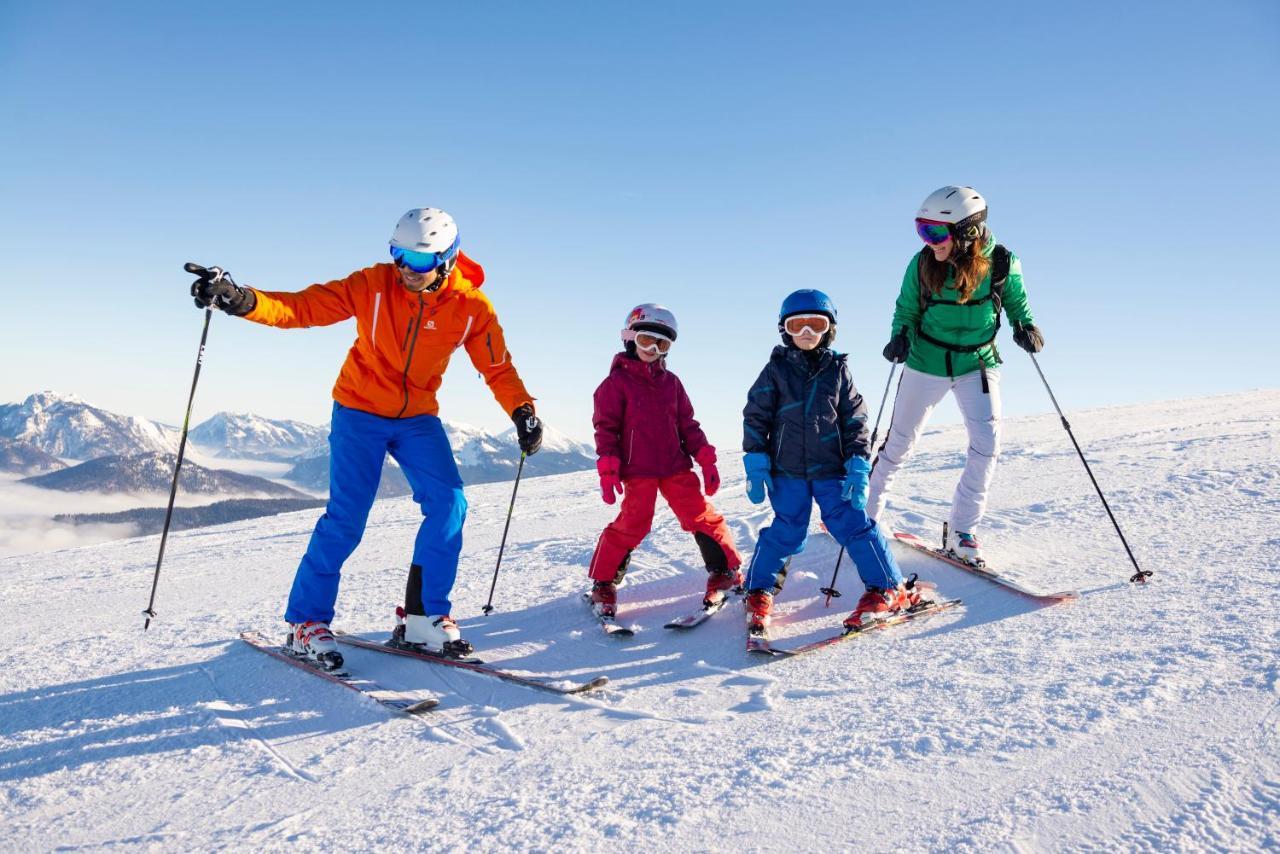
<point x="403" y="340"/>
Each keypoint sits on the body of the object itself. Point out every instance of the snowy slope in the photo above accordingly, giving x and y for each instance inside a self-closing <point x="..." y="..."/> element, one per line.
<point x="1137" y="718"/>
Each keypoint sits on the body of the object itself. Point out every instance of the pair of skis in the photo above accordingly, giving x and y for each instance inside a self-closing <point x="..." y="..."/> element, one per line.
<point x="612" y="628"/>
<point x="398" y="701"/>
<point x="760" y="644"/>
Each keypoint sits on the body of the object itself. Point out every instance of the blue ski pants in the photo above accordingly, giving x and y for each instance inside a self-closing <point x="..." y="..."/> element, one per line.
<point x="792" y="500"/>
<point x="358" y="445"/>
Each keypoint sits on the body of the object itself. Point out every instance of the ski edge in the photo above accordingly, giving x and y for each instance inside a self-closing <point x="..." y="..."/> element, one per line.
<point x="991" y="575"/>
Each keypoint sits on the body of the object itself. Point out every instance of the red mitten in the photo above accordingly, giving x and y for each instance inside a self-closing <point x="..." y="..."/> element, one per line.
<point x="710" y="474"/>
<point x="610" y="482"/>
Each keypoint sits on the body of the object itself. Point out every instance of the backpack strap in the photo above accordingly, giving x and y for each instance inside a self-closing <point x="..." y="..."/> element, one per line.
<point x="1000" y="261"/>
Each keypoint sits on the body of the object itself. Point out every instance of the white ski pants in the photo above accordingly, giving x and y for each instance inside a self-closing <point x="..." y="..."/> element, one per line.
<point x="918" y="394"/>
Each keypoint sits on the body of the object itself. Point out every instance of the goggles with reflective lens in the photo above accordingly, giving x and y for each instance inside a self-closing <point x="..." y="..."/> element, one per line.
<point x="423" y="262"/>
<point x="818" y="324"/>
<point x="933" y="232"/>
<point x="652" y="342"/>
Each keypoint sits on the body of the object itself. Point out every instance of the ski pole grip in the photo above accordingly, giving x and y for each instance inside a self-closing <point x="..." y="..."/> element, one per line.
<point x="193" y="267"/>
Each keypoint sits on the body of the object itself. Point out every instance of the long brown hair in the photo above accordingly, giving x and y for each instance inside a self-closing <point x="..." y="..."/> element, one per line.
<point x="970" y="266"/>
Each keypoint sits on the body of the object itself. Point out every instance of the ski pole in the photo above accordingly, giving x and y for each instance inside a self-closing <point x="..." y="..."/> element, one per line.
<point x="831" y="590"/>
<point x="150" y="612"/>
<point x="488" y="606"/>
<point x="1140" y="575"/>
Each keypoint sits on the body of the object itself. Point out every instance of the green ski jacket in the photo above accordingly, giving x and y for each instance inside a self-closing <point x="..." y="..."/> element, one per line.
<point x="962" y="325"/>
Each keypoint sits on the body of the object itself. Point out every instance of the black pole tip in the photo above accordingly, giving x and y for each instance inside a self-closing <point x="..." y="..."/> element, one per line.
<point x="487" y="609"/>
<point x="831" y="592"/>
<point x="1140" y="577"/>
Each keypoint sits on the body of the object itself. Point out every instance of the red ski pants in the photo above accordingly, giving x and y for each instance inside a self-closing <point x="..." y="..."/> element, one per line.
<point x="694" y="512"/>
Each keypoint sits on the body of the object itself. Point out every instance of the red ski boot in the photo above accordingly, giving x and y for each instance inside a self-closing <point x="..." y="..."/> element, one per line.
<point x="876" y="605"/>
<point x="719" y="583"/>
<point x="604" y="599"/>
<point x="759" y="606"/>
<point x="916" y="593"/>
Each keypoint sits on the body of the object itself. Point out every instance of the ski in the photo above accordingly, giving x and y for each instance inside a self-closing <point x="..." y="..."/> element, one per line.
<point x="697" y="618"/>
<point x="396" y="701"/>
<point x="609" y="625"/>
<point x="894" y="620"/>
<point x="475" y="665"/>
<point x="759" y="643"/>
<point x="983" y="571"/>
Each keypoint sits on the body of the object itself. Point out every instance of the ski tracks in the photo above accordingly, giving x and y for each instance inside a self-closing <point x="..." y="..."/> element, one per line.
<point x="235" y="721"/>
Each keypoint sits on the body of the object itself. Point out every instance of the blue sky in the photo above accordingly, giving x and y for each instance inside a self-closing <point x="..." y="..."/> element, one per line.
<point x="708" y="156"/>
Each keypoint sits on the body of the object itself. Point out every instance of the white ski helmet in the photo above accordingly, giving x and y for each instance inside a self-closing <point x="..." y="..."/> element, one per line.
<point x="961" y="207"/>
<point x="650" y="317"/>
<point x="425" y="230"/>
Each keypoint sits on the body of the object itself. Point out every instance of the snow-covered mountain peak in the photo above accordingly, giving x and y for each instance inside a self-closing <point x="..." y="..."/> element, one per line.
<point x="242" y="434"/>
<point x="65" y="426"/>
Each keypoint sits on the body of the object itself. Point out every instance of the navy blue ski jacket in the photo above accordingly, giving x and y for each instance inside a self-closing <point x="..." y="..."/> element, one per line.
<point x="806" y="414"/>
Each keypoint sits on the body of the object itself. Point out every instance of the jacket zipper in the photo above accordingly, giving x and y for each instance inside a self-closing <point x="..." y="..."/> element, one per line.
<point x="408" y="360"/>
<point x="631" y="446"/>
<point x="377" y="303"/>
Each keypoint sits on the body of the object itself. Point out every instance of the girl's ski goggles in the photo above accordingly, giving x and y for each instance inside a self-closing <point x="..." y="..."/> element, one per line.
<point x="423" y="262"/>
<point x="818" y="324"/>
<point x="652" y="342"/>
<point x="932" y="232"/>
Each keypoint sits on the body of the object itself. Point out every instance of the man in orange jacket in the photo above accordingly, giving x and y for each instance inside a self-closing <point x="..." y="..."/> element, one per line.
<point x="411" y="315"/>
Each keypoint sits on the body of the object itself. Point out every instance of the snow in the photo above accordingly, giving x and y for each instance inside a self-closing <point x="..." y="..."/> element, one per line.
<point x="1136" y="718"/>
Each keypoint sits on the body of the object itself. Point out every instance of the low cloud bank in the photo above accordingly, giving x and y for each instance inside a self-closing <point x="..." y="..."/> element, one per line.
<point x="22" y="534"/>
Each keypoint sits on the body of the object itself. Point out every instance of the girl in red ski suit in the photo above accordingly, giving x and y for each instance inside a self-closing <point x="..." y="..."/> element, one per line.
<point x="647" y="440"/>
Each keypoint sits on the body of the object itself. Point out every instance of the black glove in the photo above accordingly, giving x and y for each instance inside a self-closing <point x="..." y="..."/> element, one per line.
<point x="1028" y="338"/>
<point x="528" y="429"/>
<point x="898" y="347"/>
<point x="213" y="287"/>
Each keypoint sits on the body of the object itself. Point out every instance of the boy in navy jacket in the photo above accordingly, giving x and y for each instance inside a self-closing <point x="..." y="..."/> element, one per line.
<point x="805" y="436"/>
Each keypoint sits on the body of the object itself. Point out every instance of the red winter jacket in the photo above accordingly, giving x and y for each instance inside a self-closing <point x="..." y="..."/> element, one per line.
<point x="644" y="418"/>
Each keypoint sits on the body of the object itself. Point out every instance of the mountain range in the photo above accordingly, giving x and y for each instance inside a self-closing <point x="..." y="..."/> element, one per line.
<point x="245" y="436"/>
<point x="67" y="427"/>
<point x="62" y="443"/>
<point x="26" y="459"/>
<point x="152" y="472"/>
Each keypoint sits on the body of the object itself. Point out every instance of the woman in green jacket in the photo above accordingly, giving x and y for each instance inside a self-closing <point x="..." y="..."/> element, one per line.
<point x="944" y="328"/>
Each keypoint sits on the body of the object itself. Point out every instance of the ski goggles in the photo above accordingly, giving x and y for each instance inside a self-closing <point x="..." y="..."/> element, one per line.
<point x="818" y="324"/>
<point x="652" y="342"/>
<point x="423" y="262"/>
<point x="933" y="232"/>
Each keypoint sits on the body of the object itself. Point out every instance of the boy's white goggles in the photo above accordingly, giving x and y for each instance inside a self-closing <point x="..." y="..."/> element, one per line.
<point x="818" y="324"/>
<point x="652" y="342"/>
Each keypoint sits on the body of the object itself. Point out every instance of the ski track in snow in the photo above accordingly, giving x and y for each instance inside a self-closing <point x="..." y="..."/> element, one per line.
<point x="1138" y="718"/>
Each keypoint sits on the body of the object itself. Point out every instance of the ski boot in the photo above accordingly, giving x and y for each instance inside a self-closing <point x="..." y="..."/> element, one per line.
<point x="313" y="640"/>
<point x="719" y="583"/>
<point x="875" y="605"/>
<point x="436" y="633"/>
<point x="917" y="594"/>
<point x="965" y="547"/>
<point x="759" y="607"/>
<point x="604" y="599"/>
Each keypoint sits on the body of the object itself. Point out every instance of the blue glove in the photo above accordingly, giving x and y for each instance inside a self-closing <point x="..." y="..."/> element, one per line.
<point x="856" y="472"/>
<point x="758" y="480"/>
